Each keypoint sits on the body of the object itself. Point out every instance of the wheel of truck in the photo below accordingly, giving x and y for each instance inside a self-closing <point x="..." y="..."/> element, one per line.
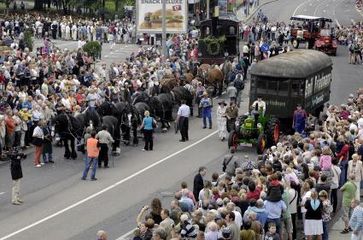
<point x="272" y="131"/>
<point x="233" y="140"/>
<point x="295" y="43"/>
<point x="261" y="143"/>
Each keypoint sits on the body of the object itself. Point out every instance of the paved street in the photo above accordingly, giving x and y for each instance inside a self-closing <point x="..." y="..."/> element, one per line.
<point x="59" y="204"/>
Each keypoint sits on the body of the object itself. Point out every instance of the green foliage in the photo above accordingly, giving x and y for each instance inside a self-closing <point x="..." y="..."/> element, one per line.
<point x="93" y="48"/>
<point x="28" y="39"/>
<point x="110" y="6"/>
<point x="212" y="45"/>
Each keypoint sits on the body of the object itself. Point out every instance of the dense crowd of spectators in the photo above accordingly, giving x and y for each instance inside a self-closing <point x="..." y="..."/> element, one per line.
<point x="263" y="198"/>
<point x="69" y="28"/>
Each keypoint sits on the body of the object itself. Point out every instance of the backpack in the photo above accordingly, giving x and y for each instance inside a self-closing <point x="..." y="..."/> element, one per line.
<point x="225" y="163"/>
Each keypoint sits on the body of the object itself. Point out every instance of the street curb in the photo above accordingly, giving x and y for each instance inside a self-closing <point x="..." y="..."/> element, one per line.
<point x="247" y="19"/>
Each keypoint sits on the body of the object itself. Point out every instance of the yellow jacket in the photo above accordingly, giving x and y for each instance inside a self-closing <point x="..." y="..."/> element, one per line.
<point x="25" y="115"/>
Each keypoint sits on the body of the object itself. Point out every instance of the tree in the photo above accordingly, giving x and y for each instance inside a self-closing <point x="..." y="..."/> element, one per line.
<point x="38" y="5"/>
<point x="7" y="3"/>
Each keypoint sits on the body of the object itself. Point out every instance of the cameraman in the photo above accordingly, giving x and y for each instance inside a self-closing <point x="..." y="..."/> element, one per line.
<point x="16" y="175"/>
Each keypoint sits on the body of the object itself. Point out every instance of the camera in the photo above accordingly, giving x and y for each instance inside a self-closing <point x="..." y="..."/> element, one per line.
<point x="15" y="153"/>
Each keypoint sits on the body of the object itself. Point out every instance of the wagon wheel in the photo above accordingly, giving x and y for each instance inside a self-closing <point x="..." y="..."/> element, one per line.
<point x="295" y="43"/>
<point x="261" y="143"/>
<point x="233" y="140"/>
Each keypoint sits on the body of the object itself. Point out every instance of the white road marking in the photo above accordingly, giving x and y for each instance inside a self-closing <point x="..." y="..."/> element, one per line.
<point x="105" y="189"/>
<point x="299" y="6"/>
<point x="123" y="237"/>
<point x="1" y="193"/>
<point x="338" y="24"/>
<point x="317" y="8"/>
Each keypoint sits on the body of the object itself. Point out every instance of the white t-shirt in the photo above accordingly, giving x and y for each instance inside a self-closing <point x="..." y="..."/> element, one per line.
<point x="293" y="200"/>
<point x="238" y="218"/>
<point x="303" y="200"/>
<point x="336" y="175"/>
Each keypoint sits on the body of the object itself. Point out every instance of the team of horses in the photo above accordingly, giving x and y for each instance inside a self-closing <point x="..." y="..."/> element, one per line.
<point x="123" y="118"/>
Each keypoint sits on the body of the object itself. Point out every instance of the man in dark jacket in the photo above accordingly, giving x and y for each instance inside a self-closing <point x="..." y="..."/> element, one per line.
<point x="230" y="163"/>
<point x="16" y="175"/>
<point x="199" y="182"/>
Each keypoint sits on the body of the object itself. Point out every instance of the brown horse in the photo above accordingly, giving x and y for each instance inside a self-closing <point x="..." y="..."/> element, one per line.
<point x="168" y="83"/>
<point x="211" y="75"/>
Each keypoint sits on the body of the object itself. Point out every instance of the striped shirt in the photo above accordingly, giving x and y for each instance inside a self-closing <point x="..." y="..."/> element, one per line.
<point x="356" y="220"/>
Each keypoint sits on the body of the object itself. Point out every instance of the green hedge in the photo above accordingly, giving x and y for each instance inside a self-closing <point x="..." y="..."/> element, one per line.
<point x="93" y="48"/>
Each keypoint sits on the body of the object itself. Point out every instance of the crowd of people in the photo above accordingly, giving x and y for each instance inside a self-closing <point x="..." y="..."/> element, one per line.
<point x="352" y="37"/>
<point x="37" y="86"/>
<point x="263" y="198"/>
<point x="68" y="28"/>
<point x="298" y="178"/>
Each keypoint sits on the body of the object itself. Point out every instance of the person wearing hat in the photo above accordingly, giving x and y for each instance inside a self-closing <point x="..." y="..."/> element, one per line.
<point x="206" y="105"/>
<point x="222" y="120"/>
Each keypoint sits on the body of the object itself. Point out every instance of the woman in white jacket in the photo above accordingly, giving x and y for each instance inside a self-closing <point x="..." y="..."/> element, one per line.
<point x="222" y="120"/>
<point x="355" y="168"/>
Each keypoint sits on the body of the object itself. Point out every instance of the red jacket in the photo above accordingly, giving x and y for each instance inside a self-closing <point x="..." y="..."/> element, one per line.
<point x="344" y="153"/>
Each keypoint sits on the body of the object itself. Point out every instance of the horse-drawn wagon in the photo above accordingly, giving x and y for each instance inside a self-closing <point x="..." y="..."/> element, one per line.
<point x="297" y="77"/>
<point x="219" y="39"/>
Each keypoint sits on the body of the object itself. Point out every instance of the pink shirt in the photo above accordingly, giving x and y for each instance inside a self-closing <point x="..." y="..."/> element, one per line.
<point x="325" y="162"/>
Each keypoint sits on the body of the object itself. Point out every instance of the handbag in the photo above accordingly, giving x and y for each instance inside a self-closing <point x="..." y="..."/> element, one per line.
<point x="37" y="141"/>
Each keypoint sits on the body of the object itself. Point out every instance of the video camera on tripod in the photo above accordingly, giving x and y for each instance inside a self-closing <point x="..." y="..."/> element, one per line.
<point x="13" y="153"/>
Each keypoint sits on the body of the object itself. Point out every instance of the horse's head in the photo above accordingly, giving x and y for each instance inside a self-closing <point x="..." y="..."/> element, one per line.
<point x="104" y="109"/>
<point x="92" y="117"/>
<point x="59" y="122"/>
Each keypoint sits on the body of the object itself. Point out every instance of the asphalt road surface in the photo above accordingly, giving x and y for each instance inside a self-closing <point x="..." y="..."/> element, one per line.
<point x="58" y="205"/>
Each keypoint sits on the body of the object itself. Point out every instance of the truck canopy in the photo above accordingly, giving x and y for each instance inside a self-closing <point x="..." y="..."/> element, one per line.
<point x="296" y="64"/>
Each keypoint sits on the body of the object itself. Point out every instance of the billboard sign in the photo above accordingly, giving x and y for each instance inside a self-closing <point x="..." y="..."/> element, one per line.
<point x="150" y="15"/>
